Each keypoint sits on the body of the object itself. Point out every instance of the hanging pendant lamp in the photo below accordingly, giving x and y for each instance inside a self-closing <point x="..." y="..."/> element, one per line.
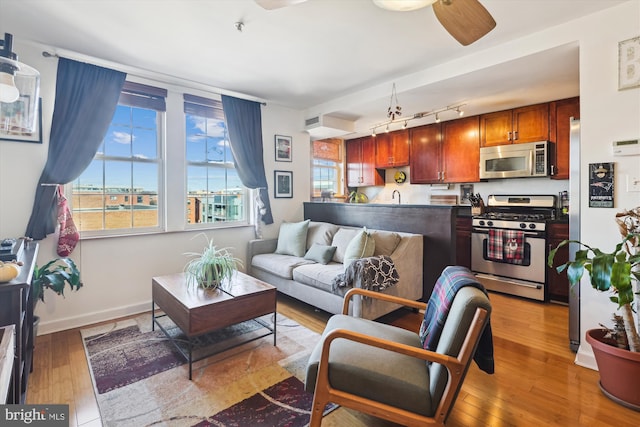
<point x="19" y="92"/>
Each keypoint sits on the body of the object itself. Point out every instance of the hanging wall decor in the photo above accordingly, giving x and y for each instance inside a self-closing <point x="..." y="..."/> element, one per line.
<point x="283" y="148"/>
<point x="601" y="185"/>
<point x="283" y="187"/>
<point x="629" y="64"/>
<point x="11" y="116"/>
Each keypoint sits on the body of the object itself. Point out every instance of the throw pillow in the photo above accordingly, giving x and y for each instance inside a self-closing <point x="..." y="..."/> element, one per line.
<point x="386" y="242"/>
<point x="292" y="238"/>
<point x="320" y="253"/>
<point x="361" y="246"/>
<point x="341" y="240"/>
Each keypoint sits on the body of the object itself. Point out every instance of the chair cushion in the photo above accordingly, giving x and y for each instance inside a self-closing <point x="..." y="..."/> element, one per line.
<point x="292" y="238"/>
<point x="377" y="374"/>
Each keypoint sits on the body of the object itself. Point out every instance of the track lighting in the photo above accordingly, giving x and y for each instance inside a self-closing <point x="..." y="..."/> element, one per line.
<point x="405" y="121"/>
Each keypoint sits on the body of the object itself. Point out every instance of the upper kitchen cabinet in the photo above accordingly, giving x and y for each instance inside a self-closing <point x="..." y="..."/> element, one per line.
<point x="560" y="115"/>
<point x="525" y="124"/>
<point x="361" y="169"/>
<point x="425" y="163"/>
<point x="445" y="153"/>
<point x="392" y="149"/>
<point x="461" y="150"/>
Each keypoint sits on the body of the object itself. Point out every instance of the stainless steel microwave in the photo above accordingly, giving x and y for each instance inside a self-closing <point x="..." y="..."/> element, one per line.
<point x="515" y="160"/>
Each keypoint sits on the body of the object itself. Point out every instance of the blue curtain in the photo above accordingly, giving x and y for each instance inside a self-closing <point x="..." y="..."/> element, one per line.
<point x="244" y="122"/>
<point x="86" y="99"/>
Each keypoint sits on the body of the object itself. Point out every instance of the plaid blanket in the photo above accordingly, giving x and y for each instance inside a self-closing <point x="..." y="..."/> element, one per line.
<point x="450" y="281"/>
<point x="373" y="273"/>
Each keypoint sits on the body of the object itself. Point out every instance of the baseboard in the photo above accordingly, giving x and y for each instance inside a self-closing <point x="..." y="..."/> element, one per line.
<point x="585" y="358"/>
<point x="97" y="317"/>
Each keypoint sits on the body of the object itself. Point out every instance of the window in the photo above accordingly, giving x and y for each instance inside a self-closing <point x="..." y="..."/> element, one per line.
<point x="126" y="168"/>
<point x="215" y="193"/>
<point x="327" y="168"/>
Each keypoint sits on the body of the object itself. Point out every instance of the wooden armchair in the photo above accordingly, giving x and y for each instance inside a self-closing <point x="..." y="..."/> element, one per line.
<point x="382" y="370"/>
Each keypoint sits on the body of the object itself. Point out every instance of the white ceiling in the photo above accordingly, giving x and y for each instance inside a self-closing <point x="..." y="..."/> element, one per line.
<point x="311" y="54"/>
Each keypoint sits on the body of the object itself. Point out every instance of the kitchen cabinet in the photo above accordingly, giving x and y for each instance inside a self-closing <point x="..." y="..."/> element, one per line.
<point x="425" y="164"/>
<point x="519" y="125"/>
<point x="392" y="149"/>
<point x="463" y="241"/>
<point x="557" y="284"/>
<point x="560" y="114"/>
<point x="361" y="169"/>
<point x="16" y="308"/>
<point x="461" y="150"/>
<point x="446" y="152"/>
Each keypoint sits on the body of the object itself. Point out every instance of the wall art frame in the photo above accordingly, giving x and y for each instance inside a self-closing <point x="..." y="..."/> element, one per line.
<point x="601" y="185"/>
<point x="283" y="146"/>
<point x="283" y="184"/>
<point x="629" y="64"/>
<point x="19" y="136"/>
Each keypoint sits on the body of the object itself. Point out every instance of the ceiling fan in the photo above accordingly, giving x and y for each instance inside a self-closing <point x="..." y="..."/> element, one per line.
<point x="466" y="20"/>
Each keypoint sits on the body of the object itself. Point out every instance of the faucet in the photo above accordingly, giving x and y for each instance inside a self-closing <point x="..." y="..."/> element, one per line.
<point x="393" y="195"/>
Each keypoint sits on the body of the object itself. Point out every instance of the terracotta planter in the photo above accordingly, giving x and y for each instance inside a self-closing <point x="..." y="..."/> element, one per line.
<point x="619" y="370"/>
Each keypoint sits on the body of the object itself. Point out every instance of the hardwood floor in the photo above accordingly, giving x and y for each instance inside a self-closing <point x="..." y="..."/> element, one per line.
<point x="536" y="382"/>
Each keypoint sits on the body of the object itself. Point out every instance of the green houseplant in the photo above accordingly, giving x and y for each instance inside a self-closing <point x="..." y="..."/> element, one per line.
<point x="55" y="275"/>
<point x="209" y="268"/>
<point x="617" y="274"/>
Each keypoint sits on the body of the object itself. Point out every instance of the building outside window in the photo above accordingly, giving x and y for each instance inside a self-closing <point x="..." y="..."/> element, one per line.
<point x="128" y="163"/>
<point x="215" y="193"/>
<point x="327" y="176"/>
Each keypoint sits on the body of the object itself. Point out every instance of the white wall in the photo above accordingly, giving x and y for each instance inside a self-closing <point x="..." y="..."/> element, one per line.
<point x="117" y="271"/>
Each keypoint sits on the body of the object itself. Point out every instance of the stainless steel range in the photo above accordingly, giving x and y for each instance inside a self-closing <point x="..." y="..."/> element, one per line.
<point x="508" y="244"/>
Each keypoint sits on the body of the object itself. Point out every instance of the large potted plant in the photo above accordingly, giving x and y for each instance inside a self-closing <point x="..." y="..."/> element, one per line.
<point x="55" y="275"/>
<point x="616" y="273"/>
<point x="211" y="267"/>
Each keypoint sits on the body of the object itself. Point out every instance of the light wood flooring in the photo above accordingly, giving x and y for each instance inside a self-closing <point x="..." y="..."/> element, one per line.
<point x="536" y="382"/>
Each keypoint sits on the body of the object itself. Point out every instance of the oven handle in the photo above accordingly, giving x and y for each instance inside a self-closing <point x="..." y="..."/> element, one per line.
<point x="513" y="282"/>
<point x="534" y="234"/>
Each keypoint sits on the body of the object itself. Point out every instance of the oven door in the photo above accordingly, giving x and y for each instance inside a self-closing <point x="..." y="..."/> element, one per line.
<point x="507" y="277"/>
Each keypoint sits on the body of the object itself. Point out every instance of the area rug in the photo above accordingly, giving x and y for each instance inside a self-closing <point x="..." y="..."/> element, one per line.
<point x="140" y="379"/>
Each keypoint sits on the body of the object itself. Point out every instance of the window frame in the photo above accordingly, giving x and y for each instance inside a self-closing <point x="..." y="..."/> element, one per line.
<point x="210" y="108"/>
<point x="135" y="95"/>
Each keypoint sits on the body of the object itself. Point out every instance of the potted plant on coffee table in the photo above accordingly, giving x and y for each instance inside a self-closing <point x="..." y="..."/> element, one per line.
<point x="617" y="351"/>
<point x="211" y="267"/>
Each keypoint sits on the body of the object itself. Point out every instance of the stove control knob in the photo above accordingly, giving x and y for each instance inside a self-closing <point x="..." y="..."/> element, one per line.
<point x="481" y="222"/>
<point x="532" y="226"/>
<point x="490" y="223"/>
<point x="523" y="225"/>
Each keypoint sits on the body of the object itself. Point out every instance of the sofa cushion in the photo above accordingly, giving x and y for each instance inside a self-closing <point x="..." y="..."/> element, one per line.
<point x="320" y="233"/>
<point x="361" y="246"/>
<point x="317" y="275"/>
<point x="341" y="240"/>
<point x="320" y="253"/>
<point x="280" y="265"/>
<point x="386" y="242"/>
<point x="292" y="238"/>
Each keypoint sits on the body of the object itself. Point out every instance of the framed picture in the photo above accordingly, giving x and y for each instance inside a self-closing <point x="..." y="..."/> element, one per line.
<point x="283" y="181"/>
<point x="629" y="64"/>
<point x="283" y="148"/>
<point x="16" y="133"/>
<point x="601" y="185"/>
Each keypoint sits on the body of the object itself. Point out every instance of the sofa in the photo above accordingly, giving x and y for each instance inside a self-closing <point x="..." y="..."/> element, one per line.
<point x="307" y="257"/>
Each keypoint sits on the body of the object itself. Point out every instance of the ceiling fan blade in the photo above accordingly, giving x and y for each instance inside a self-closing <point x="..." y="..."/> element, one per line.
<point x="466" y="20"/>
<point x="277" y="4"/>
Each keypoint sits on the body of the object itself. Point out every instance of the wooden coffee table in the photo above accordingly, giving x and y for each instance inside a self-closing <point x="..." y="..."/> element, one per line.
<point x="197" y="311"/>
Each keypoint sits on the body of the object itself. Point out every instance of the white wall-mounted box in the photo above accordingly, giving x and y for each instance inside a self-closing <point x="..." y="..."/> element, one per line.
<point x="626" y="148"/>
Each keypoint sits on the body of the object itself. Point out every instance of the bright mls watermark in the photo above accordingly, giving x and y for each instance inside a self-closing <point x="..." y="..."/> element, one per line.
<point x="34" y="415"/>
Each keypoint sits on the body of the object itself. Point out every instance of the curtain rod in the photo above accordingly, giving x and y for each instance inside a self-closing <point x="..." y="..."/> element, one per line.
<point x="151" y="75"/>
